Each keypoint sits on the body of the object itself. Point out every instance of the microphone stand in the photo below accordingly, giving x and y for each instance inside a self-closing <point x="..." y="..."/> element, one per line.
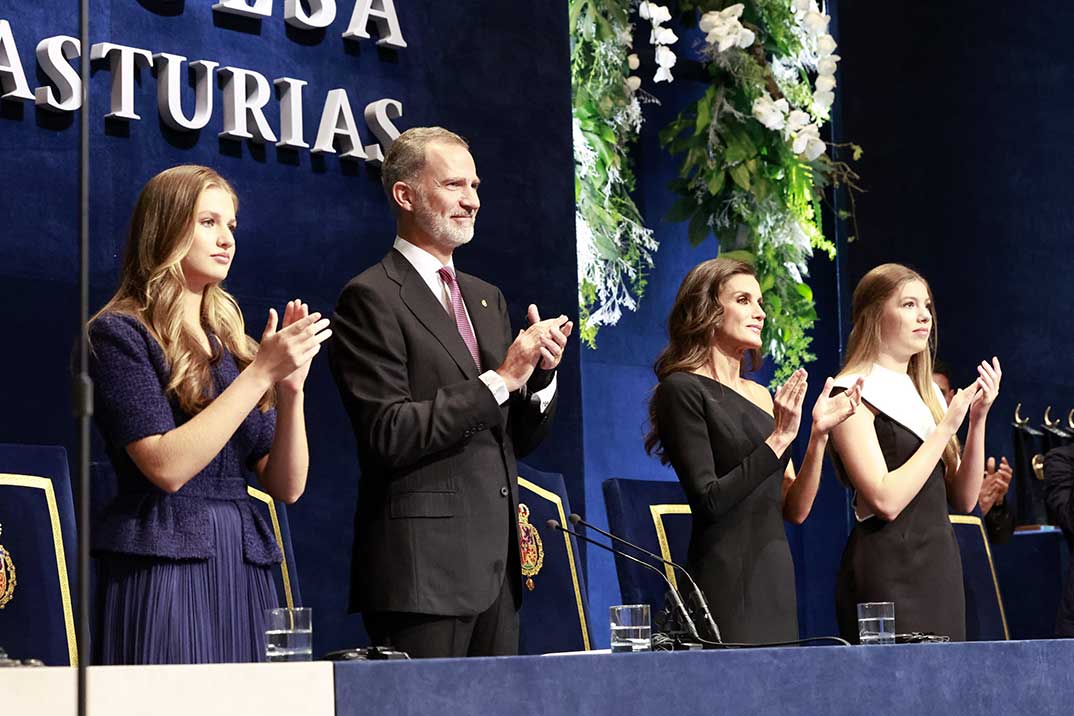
<point x="676" y="598"/>
<point x="576" y="519"/>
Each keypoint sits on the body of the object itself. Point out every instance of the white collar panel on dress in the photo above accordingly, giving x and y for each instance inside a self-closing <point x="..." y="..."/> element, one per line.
<point x="893" y="394"/>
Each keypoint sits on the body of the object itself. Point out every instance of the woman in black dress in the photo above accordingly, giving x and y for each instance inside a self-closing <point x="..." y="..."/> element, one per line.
<point x="728" y="441"/>
<point x="899" y="454"/>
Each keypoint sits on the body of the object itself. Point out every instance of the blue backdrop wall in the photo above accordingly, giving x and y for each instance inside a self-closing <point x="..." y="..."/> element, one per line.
<point x="967" y="170"/>
<point x="495" y="72"/>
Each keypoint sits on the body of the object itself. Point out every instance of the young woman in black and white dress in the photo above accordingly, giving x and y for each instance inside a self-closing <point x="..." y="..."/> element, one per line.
<point x="899" y="454"/>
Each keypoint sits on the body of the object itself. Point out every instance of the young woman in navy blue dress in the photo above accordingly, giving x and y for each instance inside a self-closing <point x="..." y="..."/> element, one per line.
<point x="189" y="407"/>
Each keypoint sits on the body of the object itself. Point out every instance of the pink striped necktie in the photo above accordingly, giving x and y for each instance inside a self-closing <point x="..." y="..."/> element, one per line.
<point x="457" y="307"/>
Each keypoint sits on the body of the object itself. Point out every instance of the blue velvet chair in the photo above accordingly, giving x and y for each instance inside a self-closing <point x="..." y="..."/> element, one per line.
<point x="38" y="554"/>
<point x="985" y="617"/>
<point x="652" y="514"/>
<point x="555" y="607"/>
<point x="1031" y="568"/>
<point x="287" y="576"/>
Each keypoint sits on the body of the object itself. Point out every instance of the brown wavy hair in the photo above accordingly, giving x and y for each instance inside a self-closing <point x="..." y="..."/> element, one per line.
<point x="151" y="285"/>
<point x="692" y="325"/>
<point x="863" y="345"/>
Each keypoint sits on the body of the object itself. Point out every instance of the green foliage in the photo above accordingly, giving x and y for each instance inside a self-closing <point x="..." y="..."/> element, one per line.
<point x="744" y="185"/>
<point x="615" y="248"/>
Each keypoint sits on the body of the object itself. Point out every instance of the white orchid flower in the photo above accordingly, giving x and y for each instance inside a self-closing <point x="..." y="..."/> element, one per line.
<point x="796" y="121"/>
<point x="643" y="10"/>
<point x="665" y="57"/>
<point x="633" y="83"/>
<point x="803" y="5"/>
<point x="825" y="45"/>
<point x="826" y="67"/>
<point x="709" y="22"/>
<point x="814" y="148"/>
<point x="663" y="74"/>
<point x="745" y="38"/>
<point x="626" y="37"/>
<point x="733" y="11"/>
<point x="823" y="100"/>
<point x="816" y="23"/>
<point x="825" y="83"/>
<point x="633" y="62"/>
<point x="773" y="115"/>
<point x="663" y="36"/>
<point x="659" y="14"/>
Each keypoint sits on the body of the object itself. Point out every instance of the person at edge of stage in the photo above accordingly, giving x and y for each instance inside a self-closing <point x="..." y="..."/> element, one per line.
<point x="899" y="454"/>
<point x="1059" y="496"/>
<point x="188" y="406"/>
<point x="998" y="519"/>
<point x="443" y="398"/>
<point x="729" y="442"/>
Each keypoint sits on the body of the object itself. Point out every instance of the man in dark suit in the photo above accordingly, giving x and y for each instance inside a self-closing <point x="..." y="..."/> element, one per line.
<point x="442" y="398"/>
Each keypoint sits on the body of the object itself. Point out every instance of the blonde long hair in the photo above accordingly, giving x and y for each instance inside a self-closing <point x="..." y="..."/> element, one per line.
<point x="692" y="325"/>
<point x="151" y="285"/>
<point x="863" y="346"/>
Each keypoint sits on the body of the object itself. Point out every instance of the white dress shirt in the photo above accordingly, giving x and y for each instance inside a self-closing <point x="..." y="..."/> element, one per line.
<point x="428" y="267"/>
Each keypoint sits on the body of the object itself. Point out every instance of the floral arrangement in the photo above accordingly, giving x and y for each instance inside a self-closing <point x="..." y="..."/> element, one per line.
<point x="615" y="248"/>
<point x="754" y="165"/>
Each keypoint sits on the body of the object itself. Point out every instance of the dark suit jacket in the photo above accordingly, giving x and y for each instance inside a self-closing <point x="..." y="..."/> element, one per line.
<point x="1059" y="496"/>
<point x="435" y="528"/>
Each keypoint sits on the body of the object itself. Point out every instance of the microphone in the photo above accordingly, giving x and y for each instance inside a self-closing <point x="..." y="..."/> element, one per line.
<point x="576" y="519"/>
<point x="675" y="596"/>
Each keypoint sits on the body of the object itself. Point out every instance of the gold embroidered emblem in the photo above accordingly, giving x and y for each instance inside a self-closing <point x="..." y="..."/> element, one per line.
<point x="7" y="575"/>
<point x="484" y="303"/>
<point x="530" y="547"/>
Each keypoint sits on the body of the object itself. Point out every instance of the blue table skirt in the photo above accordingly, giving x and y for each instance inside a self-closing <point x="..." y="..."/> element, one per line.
<point x="948" y="679"/>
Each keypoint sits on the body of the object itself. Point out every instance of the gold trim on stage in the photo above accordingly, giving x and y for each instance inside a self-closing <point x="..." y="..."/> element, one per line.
<point x="555" y="499"/>
<point x="285" y="572"/>
<point x="45" y="484"/>
<point x="658" y="512"/>
<point x="972" y="520"/>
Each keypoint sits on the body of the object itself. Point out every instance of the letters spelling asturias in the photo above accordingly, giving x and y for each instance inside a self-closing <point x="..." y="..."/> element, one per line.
<point x="245" y="92"/>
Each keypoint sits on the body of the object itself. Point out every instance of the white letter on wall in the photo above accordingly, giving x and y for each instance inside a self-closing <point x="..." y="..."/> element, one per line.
<point x="378" y="117"/>
<point x="260" y="8"/>
<point x="169" y="87"/>
<point x="321" y="14"/>
<point x="12" y="78"/>
<point x="290" y="93"/>
<point x="52" y="56"/>
<point x="337" y="120"/>
<point x="245" y="93"/>
<point x="123" y="62"/>
<point x="382" y="12"/>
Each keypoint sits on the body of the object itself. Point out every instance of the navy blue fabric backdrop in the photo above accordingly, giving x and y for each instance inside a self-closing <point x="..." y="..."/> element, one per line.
<point x="495" y="72"/>
<point x="967" y="166"/>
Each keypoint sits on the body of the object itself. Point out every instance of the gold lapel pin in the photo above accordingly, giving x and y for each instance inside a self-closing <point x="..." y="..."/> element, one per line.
<point x="484" y="303"/>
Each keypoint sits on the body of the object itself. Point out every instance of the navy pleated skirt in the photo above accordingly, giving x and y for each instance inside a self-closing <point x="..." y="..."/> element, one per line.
<point x="160" y="611"/>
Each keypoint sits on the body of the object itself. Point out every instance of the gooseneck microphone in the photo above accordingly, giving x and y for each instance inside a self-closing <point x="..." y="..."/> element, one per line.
<point x="576" y="519"/>
<point x="675" y="596"/>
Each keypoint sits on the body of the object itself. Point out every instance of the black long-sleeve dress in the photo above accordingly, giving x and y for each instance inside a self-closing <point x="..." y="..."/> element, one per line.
<point x="1059" y="495"/>
<point x="714" y="438"/>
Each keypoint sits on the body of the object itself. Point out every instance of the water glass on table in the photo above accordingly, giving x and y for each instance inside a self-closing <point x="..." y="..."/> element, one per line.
<point x="876" y="623"/>
<point x="289" y="634"/>
<point x="630" y="628"/>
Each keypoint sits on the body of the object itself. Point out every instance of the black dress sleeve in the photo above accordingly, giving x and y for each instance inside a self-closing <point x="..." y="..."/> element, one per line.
<point x="1059" y="485"/>
<point x="684" y="428"/>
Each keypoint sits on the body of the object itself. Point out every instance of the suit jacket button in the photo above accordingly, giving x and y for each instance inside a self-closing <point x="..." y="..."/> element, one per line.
<point x="503" y="491"/>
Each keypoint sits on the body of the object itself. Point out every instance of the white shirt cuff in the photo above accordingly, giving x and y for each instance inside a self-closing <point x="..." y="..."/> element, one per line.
<point x="544" y="395"/>
<point x="494" y="382"/>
